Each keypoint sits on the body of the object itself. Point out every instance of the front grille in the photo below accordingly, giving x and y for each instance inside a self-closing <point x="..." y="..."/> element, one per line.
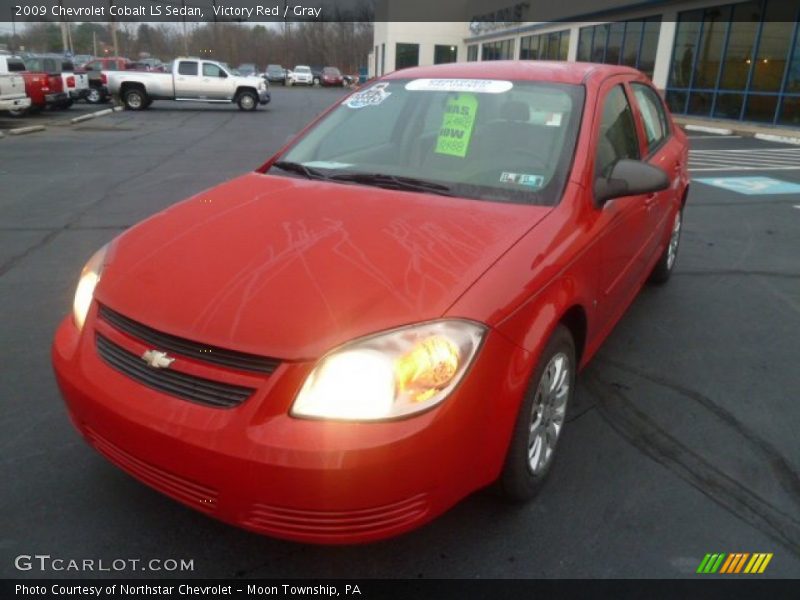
<point x="334" y="524"/>
<point x="174" y="344"/>
<point x="169" y="381"/>
<point x="183" y="490"/>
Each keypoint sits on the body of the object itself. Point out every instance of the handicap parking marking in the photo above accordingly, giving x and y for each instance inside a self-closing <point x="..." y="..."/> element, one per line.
<point x="752" y="186"/>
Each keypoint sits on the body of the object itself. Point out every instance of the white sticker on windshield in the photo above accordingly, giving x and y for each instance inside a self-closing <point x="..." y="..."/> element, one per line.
<point x="369" y="97"/>
<point x="526" y="179"/>
<point x="327" y="164"/>
<point x="479" y="86"/>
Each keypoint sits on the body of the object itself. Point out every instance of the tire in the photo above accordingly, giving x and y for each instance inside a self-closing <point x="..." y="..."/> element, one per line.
<point x="663" y="269"/>
<point x="135" y="99"/>
<point x="525" y="469"/>
<point x="66" y="104"/>
<point x="94" y="96"/>
<point x="247" y="101"/>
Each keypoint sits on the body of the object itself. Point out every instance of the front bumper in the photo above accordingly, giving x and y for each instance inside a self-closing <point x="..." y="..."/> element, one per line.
<point x="264" y="97"/>
<point x="317" y="481"/>
<point x="15" y="103"/>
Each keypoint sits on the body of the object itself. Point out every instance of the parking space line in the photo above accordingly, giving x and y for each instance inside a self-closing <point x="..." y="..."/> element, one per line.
<point x="753" y="159"/>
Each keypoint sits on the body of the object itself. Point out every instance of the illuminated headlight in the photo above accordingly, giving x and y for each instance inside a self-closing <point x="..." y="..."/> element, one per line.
<point x="86" y="284"/>
<point x="393" y="374"/>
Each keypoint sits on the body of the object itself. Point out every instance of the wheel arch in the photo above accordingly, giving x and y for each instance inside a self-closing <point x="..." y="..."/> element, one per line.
<point x="130" y="85"/>
<point x="244" y="88"/>
<point x="575" y="320"/>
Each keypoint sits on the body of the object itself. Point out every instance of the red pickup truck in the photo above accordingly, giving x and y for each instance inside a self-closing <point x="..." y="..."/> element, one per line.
<point x="44" y="89"/>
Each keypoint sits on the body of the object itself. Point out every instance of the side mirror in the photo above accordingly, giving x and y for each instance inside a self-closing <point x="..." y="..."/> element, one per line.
<point x="629" y="178"/>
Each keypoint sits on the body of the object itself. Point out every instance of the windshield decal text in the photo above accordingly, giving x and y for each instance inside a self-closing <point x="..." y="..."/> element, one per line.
<point x="369" y="97"/>
<point x="480" y="86"/>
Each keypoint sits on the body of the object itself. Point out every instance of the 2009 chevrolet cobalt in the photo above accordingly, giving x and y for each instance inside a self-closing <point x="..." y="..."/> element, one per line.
<point x="391" y="312"/>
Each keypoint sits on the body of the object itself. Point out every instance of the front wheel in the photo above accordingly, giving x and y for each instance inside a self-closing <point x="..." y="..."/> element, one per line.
<point x="663" y="269"/>
<point x="247" y="101"/>
<point x="135" y="99"/>
<point x="541" y="419"/>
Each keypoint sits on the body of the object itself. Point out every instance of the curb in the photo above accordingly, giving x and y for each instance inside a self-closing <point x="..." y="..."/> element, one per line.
<point x="783" y="139"/>
<point x="94" y="115"/>
<point x="704" y="129"/>
<point x="24" y="130"/>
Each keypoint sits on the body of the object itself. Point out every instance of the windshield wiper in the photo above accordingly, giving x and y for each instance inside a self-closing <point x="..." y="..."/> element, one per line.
<point x="395" y="182"/>
<point x="299" y="168"/>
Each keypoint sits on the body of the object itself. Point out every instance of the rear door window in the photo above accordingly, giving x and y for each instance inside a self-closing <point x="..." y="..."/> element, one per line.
<point x="15" y="66"/>
<point x="187" y="68"/>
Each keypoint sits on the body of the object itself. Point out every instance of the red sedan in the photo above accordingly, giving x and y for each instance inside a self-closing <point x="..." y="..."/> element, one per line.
<point x="332" y="76"/>
<point x="391" y="312"/>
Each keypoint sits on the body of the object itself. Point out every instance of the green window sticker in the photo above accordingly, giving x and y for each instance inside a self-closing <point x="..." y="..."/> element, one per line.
<point x="457" y="123"/>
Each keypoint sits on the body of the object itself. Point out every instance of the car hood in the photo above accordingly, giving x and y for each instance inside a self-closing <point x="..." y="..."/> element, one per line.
<point x="290" y="268"/>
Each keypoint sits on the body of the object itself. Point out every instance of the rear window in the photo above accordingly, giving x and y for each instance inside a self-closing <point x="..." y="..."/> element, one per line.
<point x="67" y="65"/>
<point x="15" y="65"/>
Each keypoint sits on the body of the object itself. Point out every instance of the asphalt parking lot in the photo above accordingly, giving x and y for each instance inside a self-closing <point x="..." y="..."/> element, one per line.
<point x="683" y="439"/>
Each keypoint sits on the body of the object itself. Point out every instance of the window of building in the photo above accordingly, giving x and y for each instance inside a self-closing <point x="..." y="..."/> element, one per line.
<point x="548" y="46"/>
<point x="472" y="53"/>
<point x="737" y="61"/>
<point x="445" y="54"/>
<point x="500" y="50"/>
<point x="406" y="55"/>
<point x="631" y="43"/>
<point x="618" y="138"/>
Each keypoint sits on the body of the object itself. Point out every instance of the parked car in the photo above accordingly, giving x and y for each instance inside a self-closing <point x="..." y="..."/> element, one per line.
<point x="301" y="75"/>
<point x="75" y="83"/>
<point x="98" y="75"/>
<point x="44" y="89"/>
<point x="191" y="79"/>
<point x="12" y="90"/>
<point x="316" y="75"/>
<point x="331" y="76"/>
<point x="347" y="373"/>
<point x="247" y="69"/>
<point x="276" y="74"/>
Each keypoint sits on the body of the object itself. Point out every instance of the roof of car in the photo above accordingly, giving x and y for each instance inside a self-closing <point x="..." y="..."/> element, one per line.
<point x="535" y="70"/>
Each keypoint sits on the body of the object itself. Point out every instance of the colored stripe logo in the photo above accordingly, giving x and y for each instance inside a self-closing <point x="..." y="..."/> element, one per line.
<point x="737" y="562"/>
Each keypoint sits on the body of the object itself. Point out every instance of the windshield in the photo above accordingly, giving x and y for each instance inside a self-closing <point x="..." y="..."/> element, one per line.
<point x="332" y="71"/>
<point x="302" y="70"/>
<point x="509" y="141"/>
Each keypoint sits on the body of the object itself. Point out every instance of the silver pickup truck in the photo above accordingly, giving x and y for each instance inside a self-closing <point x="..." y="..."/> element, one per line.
<point x="191" y="79"/>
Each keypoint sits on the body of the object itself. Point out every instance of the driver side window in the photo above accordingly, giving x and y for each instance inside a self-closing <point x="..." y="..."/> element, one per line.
<point x="618" y="138"/>
<point x="212" y="70"/>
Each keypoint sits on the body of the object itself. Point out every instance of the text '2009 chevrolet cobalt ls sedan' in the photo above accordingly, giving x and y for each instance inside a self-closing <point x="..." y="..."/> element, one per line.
<point x="390" y="313"/>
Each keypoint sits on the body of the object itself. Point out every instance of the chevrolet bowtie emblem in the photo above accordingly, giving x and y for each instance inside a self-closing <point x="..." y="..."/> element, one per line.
<point x="157" y="359"/>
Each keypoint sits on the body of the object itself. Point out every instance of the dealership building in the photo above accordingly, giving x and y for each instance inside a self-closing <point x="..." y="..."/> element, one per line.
<point x="711" y="59"/>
